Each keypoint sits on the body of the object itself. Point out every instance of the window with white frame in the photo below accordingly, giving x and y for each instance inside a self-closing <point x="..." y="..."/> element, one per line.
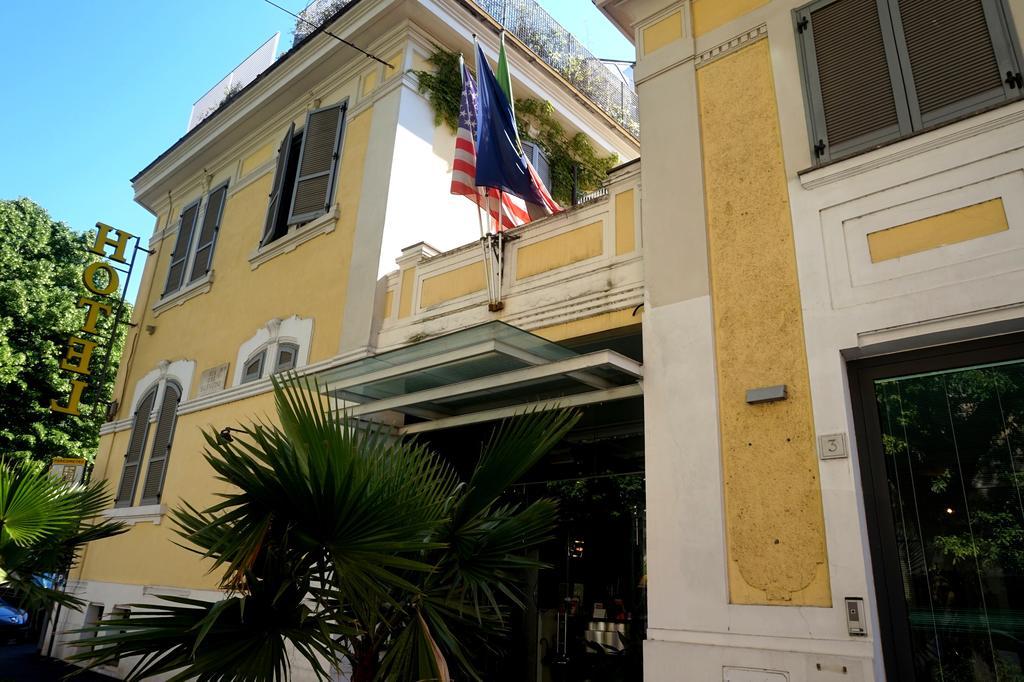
<point x="307" y="167"/>
<point x="278" y="356"/>
<point x="93" y="616"/>
<point x="192" y="257"/>
<point x="287" y="354"/>
<point x="156" y="414"/>
<point x="277" y="346"/>
<point x="253" y="368"/>
<point x="879" y="70"/>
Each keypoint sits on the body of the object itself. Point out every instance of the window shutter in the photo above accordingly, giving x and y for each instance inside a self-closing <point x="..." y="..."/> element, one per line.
<point x="136" y="446"/>
<point x="165" y="422"/>
<point x="179" y="257"/>
<point x="950" y="62"/>
<point x="849" y="57"/>
<point x="275" y="206"/>
<point x="208" y="234"/>
<point x="318" y="163"/>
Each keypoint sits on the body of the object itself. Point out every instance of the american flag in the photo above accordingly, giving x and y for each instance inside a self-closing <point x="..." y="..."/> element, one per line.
<point x="514" y="211"/>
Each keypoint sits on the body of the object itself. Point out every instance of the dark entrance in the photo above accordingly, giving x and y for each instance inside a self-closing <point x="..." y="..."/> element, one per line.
<point x="941" y="435"/>
<point x="585" y="616"/>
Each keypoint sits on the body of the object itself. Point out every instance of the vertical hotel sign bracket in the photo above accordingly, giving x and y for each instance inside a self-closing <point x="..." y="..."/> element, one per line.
<point x="79" y="352"/>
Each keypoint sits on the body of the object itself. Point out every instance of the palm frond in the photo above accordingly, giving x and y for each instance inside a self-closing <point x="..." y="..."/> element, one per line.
<point x="32" y="506"/>
<point x="513" y="449"/>
<point x="337" y="539"/>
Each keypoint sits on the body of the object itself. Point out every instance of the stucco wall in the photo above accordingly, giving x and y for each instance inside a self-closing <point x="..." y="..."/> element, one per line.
<point x="775" y="529"/>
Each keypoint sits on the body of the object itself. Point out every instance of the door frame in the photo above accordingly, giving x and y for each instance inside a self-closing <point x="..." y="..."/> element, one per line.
<point x="893" y="620"/>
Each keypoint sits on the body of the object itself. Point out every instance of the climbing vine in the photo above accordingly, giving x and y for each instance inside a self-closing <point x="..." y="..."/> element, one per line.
<point x="443" y="87"/>
<point x="536" y="121"/>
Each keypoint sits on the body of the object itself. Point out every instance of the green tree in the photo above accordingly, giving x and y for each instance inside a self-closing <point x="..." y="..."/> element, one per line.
<point x="41" y="263"/>
<point x="341" y="542"/>
<point x="43" y="524"/>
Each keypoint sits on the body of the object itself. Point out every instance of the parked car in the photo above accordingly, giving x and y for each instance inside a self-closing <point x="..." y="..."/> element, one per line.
<point x="13" y="622"/>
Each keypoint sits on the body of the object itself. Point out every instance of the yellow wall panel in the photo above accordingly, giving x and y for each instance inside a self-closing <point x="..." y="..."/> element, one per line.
<point x="774" y="524"/>
<point x="241" y="300"/>
<point x="396" y="60"/>
<point x="567" y="248"/>
<point x="420" y="63"/>
<point x="625" y="222"/>
<point x="389" y="300"/>
<point x="663" y="32"/>
<point x="146" y="554"/>
<point x="405" y="297"/>
<point x="370" y="82"/>
<point x="590" y="325"/>
<point x="453" y="284"/>
<point x="258" y="157"/>
<point x="961" y="225"/>
<point x="710" y="14"/>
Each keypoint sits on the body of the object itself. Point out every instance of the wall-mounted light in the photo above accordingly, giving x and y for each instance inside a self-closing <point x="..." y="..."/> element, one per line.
<point x="225" y="434"/>
<point x="766" y="394"/>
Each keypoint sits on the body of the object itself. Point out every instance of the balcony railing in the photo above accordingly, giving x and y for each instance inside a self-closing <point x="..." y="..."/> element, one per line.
<point x="559" y="49"/>
<point x="240" y="76"/>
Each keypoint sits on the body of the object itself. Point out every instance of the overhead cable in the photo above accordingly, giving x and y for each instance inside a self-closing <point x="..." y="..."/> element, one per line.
<point x="338" y="38"/>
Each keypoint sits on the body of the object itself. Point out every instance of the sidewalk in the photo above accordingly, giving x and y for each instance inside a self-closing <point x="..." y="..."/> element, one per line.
<point x="21" y="663"/>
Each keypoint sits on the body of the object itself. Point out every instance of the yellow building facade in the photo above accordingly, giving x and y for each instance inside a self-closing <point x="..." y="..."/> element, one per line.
<point x="794" y="310"/>
<point x="824" y="203"/>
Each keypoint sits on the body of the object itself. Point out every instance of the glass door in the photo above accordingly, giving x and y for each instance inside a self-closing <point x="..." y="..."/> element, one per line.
<point x="947" y="470"/>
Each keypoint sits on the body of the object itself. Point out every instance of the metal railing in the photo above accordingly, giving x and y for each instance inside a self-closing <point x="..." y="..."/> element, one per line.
<point x="316" y="13"/>
<point x="599" y="193"/>
<point x="562" y="51"/>
<point x="559" y="49"/>
<point x="240" y="76"/>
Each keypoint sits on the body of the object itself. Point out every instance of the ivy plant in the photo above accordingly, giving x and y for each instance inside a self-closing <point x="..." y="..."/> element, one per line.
<point x="536" y="121"/>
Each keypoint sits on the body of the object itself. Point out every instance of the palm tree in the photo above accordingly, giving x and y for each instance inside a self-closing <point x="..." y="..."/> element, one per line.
<point x="344" y="544"/>
<point x="43" y="524"/>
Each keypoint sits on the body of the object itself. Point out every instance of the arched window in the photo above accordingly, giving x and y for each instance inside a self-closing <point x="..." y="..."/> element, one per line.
<point x="157" y="471"/>
<point x="136" y="446"/>
<point x="287" y="354"/>
<point x="253" y="368"/>
<point x="277" y="346"/>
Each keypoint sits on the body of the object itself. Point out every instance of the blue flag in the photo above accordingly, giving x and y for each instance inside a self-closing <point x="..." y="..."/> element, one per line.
<point x="499" y="162"/>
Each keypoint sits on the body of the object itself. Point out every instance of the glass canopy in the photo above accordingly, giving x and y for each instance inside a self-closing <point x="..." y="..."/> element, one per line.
<point x="484" y="372"/>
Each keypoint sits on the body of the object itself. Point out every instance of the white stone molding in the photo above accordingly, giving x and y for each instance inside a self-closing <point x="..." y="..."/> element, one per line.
<point x="150" y="513"/>
<point x="187" y="292"/>
<point x="297" y="235"/>
<point x="180" y="371"/>
<point x="915" y="145"/>
<point x="295" y="329"/>
<point x="735" y="43"/>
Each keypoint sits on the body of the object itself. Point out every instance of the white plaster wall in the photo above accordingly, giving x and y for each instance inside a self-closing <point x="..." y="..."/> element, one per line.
<point x="181" y="371"/>
<point x="112" y="595"/>
<point x="420" y="205"/>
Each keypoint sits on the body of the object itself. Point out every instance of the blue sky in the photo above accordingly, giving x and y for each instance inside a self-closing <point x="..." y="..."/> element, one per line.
<point x="95" y="90"/>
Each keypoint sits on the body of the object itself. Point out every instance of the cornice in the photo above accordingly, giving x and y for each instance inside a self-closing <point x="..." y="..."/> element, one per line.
<point x="916" y="145"/>
<point x="731" y="45"/>
<point x="254" y="103"/>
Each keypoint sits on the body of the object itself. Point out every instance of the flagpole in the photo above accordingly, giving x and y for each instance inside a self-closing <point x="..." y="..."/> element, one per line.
<point x="501" y="248"/>
<point x="485" y="244"/>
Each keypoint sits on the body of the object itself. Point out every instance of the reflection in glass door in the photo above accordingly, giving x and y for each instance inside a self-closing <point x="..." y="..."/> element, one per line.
<point x="953" y="448"/>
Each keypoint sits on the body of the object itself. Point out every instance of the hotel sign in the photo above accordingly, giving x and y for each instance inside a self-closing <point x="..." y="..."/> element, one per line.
<point x="68" y="469"/>
<point x="102" y="279"/>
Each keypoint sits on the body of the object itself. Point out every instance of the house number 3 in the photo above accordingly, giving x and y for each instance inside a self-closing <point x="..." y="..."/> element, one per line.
<point x="832" y="446"/>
